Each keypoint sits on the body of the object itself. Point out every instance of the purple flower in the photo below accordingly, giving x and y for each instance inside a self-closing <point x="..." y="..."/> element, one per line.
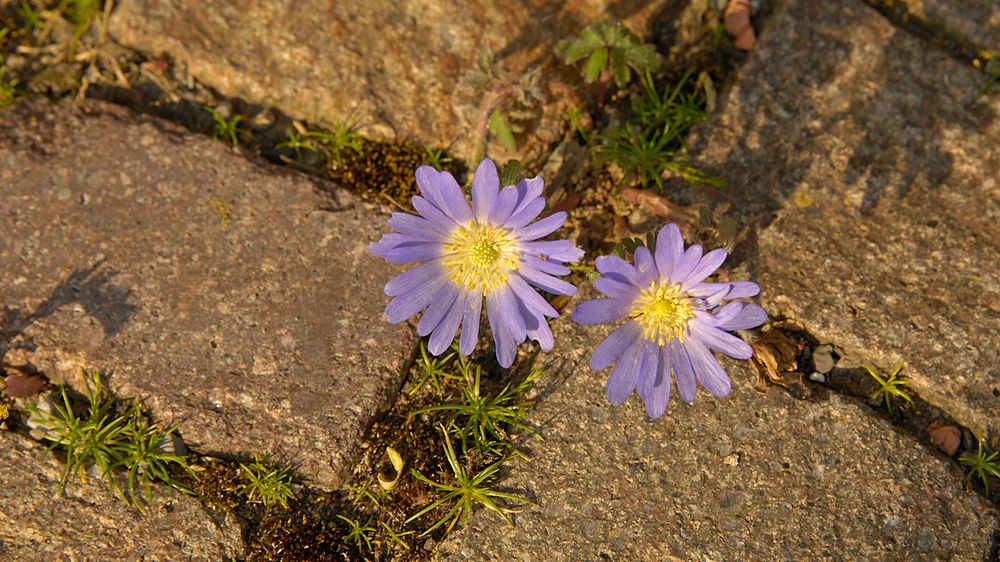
<point x="674" y="318"/>
<point x="490" y="252"/>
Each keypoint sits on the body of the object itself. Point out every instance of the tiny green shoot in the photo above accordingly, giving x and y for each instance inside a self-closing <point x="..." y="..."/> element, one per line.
<point x="890" y="386"/>
<point x="267" y="484"/>
<point x="342" y="138"/>
<point x="467" y="492"/>
<point x="360" y="535"/>
<point x="432" y="370"/>
<point x="394" y="538"/>
<point x="436" y="158"/>
<point x="32" y="19"/>
<point x="8" y="89"/>
<point x="297" y="143"/>
<point x="228" y="128"/>
<point x="981" y="465"/>
<point x="82" y="14"/>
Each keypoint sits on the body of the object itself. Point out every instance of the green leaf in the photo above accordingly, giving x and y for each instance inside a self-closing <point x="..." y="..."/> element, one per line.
<point x="499" y="127"/>
<point x="511" y="173"/>
<point x="620" y="69"/>
<point x="642" y="57"/>
<point x="595" y="64"/>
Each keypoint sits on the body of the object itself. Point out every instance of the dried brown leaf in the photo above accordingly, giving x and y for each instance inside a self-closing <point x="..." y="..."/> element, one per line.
<point x="774" y="361"/>
<point x="23" y="386"/>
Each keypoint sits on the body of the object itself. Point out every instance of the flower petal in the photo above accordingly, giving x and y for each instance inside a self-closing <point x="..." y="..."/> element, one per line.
<point x="659" y="395"/>
<point x="485" y="189"/>
<point x="408" y="304"/>
<point x="706" y="266"/>
<point x="683" y="371"/>
<point x="409" y="252"/>
<point x="702" y="330"/>
<point x="522" y="216"/>
<point x="612" y="286"/>
<point x="416" y="227"/>
<point x="509" y="313"/>
<point x="600" y="311"/>
<point x="554" y="250"/>
<point x="608" y="265"/>
<point x="503" y="339"/>
<point x="433" y="214"/>
<point x="413" y="278"/>
<point x="530" y="297"/>
<point x="648" y="378"/>
<point x="546" y="282"/>
<point x="614" y="345"/>
<point x="544" y="227"/>
<point x="540" y="332"/>
<point x="528" y="190"/>
<point x="442" y="190"/>
<point x="739" y="316"/>
<point x="504" y="206"/>
<point x="473" y="309"/>
<point x="546" y="266"/>
<point x="442" y="302"/>
<point x="687" y="263"/>
<point x="645" y="266"/>
<point x="444" y="333"/>
<point x="743" y="289"/>
<point x="669" y="249"/>
<point x="707" y="370"/>
<point x="625" y="375"/>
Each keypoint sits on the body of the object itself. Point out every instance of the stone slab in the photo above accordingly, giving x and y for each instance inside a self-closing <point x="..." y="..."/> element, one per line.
<point x="403" y="69"/>
<point x="236" y="297"/>
<point x="37" y="523"/>
<point x="750" y="477"/>
<point x="864" y="174"/>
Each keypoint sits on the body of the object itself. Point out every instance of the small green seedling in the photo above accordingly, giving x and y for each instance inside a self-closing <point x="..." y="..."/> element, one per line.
<point x="360" y="535"/>
<point x="612" y="51"/>
<point x="32" y="19"/>
<point x="394" y="539"/>
<point x="432" y="369"/>
<point x="981" y="465"/>
<point x="436" y="158"/>
<point x="267" y="484"/>
<point x="487" y="418"/>
<point x="297" y="143"/>
<point x="228" y="128"/>
<point x="628" y="246"/>
<point x="110" y="441"/>
<point x="891" y="386"/>
<point x="467" y="492"/>
<point x="342" y="138"/>
<point x="82" y="13"/>
<point x="8" y="89"/>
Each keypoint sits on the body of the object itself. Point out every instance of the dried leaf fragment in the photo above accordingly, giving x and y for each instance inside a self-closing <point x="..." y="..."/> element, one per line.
<point x="773" y="359"/>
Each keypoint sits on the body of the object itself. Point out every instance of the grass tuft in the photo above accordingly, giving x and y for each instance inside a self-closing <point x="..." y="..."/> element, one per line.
<point x="982" y="465"/>
<point x="266" y="483"/>
<point x="890" y="386"/>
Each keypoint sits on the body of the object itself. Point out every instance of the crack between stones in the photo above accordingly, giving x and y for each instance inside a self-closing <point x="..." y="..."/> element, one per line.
<point x="857" y="384"/>
<point x="934" y="35"/>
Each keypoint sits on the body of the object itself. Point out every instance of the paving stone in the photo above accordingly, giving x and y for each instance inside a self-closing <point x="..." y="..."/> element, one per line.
<point x="236" y="297"/>
<point x="407" y="69"/>
<point x="36" y="523"/>
<point x="750" y="477"/>
<point x="863" y="171"/>
<point x="975" y="20"/>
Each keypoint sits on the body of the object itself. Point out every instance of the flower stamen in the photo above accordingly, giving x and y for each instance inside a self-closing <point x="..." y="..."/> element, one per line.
<point x="480" y="257"/>
<point x="663" y="312"/>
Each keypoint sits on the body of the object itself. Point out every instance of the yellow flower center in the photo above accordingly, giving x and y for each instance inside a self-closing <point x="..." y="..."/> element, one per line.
<point x="663" y="312"/>
<point x="480" y="257"/>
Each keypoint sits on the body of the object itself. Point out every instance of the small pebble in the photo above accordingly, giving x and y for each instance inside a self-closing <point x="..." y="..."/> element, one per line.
<point x="817" y="377"/>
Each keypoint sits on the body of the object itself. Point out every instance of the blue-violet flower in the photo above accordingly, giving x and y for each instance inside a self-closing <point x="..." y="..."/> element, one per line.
<point x="490" y="252"/>
<point x="674" y="318"/>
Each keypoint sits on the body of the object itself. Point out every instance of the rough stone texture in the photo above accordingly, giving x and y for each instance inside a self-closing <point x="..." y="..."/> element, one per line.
<point x="866" y="181"/>
<point x="90" y="525"/>
<point x="975" y="20"/>
<point x="751" y="477"/>
<point x="236" y="297"/>
<point x="406" y="69"/>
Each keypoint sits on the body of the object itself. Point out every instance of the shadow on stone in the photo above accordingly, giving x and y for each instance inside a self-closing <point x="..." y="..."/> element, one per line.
<point x="93" y="290"/>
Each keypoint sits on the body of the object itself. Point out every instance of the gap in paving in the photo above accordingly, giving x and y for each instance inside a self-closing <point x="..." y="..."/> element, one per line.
<point x="916" y="419"/>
